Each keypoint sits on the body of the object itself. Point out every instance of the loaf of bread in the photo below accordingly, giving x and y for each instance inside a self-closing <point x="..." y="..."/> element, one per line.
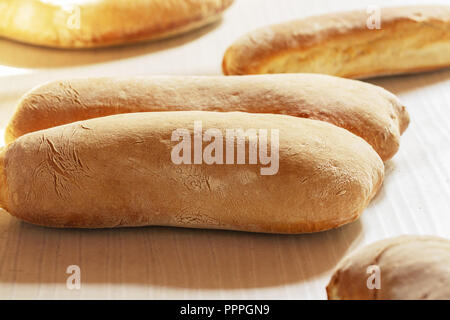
<point x="408" y="268"/>
<point x="366" y="110"/>
<point x="119" y="170"/>
<point x="348" y="44"/>
<point x="98" y="23"/>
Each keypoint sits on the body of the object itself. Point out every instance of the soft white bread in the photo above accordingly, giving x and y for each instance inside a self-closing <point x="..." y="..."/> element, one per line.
<point x="411" y="268"/>
<point x="366" y="110"/>
<point x="117" y="171"/>
<point x="411" y="39"/>
<point x="98" y="23"/>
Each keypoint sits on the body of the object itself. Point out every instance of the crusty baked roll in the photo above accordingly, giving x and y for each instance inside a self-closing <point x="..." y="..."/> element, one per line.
<point x="366" y="110"/>
<point x="98" y="23"/>
<point x="118" y="171"/>
<point x="411" y="39"/>
<point x="410" y="268"/>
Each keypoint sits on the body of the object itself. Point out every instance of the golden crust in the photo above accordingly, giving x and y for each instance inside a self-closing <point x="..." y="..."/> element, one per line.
<point x="99" y="23"/>
<point x="411" y="39"/>
<point x="411" y="268"/>
<point x="364" y="109"/>
<point x="3" y="185"/>
<point x="117" y="171"/>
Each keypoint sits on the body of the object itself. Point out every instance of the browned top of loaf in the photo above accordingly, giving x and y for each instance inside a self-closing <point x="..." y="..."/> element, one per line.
<point x="366" y="110"/>
<point x="249" y="51"/>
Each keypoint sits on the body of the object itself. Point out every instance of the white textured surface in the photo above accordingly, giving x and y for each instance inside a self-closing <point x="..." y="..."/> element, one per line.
<point x="163" y="263"/>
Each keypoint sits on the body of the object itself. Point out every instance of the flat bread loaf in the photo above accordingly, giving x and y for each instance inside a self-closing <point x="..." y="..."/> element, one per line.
<point x="366" y="110"/>
<point x="119" y="171"/>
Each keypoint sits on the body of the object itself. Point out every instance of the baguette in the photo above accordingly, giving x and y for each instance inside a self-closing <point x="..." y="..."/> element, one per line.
<point x="99" y="23"/>
<point x="411" y="39"/>
<point x="117" y="171"/>
<point x="410" y="268"/>
<point x="366" y="110"/>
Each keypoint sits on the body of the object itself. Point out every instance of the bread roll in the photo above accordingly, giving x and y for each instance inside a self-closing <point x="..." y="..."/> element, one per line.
<point x="410" y="268"/>
<point x="118" y="171"/>
<point x="98" y="23"/>
<point x="366" y="110"/>
<point x="411" y="39"/>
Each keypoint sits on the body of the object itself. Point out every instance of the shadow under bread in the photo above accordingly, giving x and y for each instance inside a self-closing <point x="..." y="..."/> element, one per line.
<point x="168" y="257"/>
<point x="21" y="55"/>
<point x="405" y="83"/>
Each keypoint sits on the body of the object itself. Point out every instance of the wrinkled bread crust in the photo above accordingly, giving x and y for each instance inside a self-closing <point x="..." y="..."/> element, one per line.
<point x="117" y="171"/>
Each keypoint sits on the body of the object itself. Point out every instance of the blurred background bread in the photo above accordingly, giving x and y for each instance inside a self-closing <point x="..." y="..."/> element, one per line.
<point x="99" y="23"/>
<point x="410" y="39"/>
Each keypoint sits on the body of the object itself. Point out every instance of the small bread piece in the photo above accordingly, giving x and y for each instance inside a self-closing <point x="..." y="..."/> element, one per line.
<point x="366" y="110"/>
<point x="411" y="268"/>
<point x="117" y="171"/>
<point x="99" y="23"/>
<point x="411" y="39"/>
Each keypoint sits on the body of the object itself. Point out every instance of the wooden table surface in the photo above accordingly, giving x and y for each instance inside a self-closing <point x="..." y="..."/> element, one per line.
<point x="173" y="263"/>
